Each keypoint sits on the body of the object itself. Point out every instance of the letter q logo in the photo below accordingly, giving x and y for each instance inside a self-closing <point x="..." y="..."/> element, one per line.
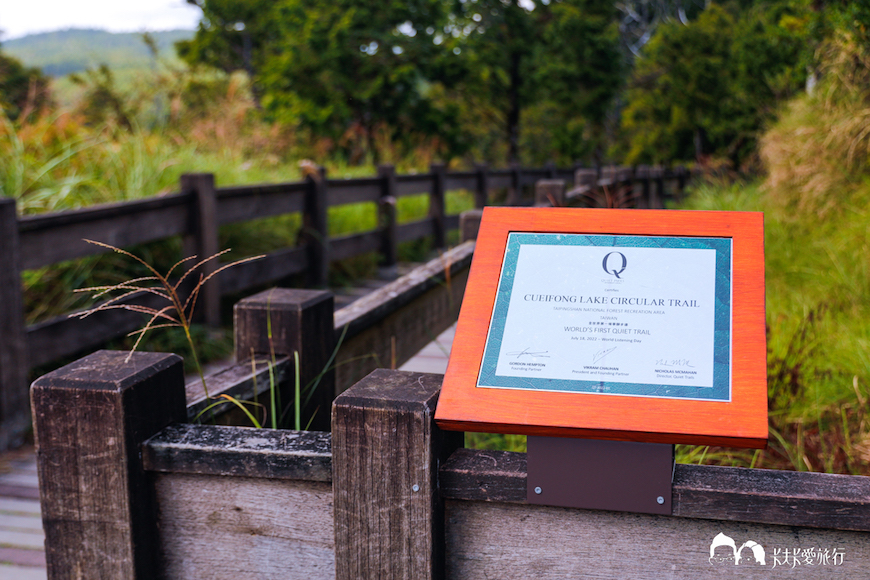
<point x="614" y="263"/>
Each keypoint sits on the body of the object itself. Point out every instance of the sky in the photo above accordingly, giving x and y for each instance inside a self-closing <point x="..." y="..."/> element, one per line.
<point x="22" y="17"/>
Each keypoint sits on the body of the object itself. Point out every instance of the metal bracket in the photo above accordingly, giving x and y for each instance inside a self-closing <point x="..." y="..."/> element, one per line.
<point x="603" y="475"/>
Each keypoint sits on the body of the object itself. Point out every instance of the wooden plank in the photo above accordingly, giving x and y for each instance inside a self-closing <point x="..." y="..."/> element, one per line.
<point x="395" y="339"/>
<point x="388" y="518"/>
<point x="21" y="573"/>
<point x="14" y="363"/>
<point x="484" y="475"/>
<point x="810" y="500"/>
<point x="501" y="178"/>
<point x="51" y="238"/>
<point x="244" y="381"/>
<point x="415" y="230"/>
<point x="374" y="307"/>
<point x="818" y="500"/>
<point x="510" y="541"/>
<point x="461" y="180"/>
<point x="414" y="184"/>
<point x="289" y="321"/>
<point x="354" y="245"/>
<point x="23" y="557"/>
<point x="359" y="190"/>
<point x="67" y="335"/>
<point x="19" y="506"/>
<point x="451" y="222"/>
<point x="20" y="538"/>
<point x="274" y="266"/>
<point x="240" y="527"/>
<point x="25" y="523"/>
<point x="239" y="204"/>
<point x="89" y="419"/>
<point x="240" y="452"/>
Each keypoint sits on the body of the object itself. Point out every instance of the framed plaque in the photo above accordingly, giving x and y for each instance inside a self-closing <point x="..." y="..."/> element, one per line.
<point x="632" y="325"/>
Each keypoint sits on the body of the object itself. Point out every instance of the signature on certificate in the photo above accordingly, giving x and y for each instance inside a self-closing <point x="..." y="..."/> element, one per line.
<point x="674" y="362"/>
<point x="601" y="354"/>
<point x="529" y="352"/>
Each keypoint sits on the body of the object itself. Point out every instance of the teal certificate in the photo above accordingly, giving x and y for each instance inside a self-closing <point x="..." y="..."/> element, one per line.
<point x="642" y="316"/>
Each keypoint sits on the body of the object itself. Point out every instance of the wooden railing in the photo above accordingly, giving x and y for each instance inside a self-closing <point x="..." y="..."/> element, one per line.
<point x="130" y="490"/>
<point x="196" y="212"/>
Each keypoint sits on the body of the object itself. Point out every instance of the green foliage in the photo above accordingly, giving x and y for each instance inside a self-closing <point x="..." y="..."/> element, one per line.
<point x="708" y="87"/>
<point x="23" y="90"/>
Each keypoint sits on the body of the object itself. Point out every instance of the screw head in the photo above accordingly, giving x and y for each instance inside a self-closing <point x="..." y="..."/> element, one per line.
<point x="538" y="490"/>
<point x="415" y="487"/>
<point x="660" y="500"/>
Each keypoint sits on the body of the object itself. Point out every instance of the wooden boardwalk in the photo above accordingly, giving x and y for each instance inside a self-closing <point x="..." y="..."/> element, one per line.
<point x="21" y="537"/>
<point x="22" y="554"/>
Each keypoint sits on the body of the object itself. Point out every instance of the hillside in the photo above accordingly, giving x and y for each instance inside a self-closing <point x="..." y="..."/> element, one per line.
<point x="68" y="51"/>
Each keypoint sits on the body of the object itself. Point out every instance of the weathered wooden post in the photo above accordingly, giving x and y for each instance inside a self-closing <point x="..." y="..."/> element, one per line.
<point x="641" y="174"/>
<point x="436" y="204"/>
<point x="515" y="195"/>
<point x="551" y="169"/>
<point x="387" y="218"/>
<point x="14" y="415"/>
<point x="469" y="224"/>
<point x="481" y="194"/>
<point x="386" y="453"/>
<point x="659" y="178"/>
<point x="285" y="321"/>
<point x="316" y="229"/>
<point x="204" y="240"/>
<point x="550" y="192"/>
<point x="98" y="507"/>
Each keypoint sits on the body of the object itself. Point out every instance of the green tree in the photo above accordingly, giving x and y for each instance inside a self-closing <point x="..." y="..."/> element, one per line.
<point x="709" y="86"/>
<point x="23" y="90"/>
<point x="233" y="35"/>
<point x="581" y="71"/>
<point x="350" y="67"/>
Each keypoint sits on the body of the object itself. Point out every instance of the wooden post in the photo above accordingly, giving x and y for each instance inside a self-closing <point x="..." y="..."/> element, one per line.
<point x="14" y="412"/>
<point x="659" y="177"/>
<point x="681" y="182"/>
<point x="550" y="192"/>
<point x="386" y="453"/>
<point x="550" y="168"/>
<point x="641" y="174"/>
<point x="205" y="240"/>
<point x="90" y="418"/>
<point x="316" y="230"/>
<point x="436" y="204"/>
<point x="469" y="224"/>
<point x="387" y="218"/>
<point x="481" y="195"/>
<point x="515" y="195"/>
<point x="298" y="321"/>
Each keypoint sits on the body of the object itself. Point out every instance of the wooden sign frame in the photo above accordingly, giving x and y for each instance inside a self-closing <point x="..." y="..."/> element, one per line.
<point x="740" y="420"/>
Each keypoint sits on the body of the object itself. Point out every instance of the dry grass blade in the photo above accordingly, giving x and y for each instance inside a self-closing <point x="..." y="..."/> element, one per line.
<point x="178" y="313"/>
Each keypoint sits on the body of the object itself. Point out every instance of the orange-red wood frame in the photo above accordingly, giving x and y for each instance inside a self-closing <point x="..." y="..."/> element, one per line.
<point x="741" y="422"/>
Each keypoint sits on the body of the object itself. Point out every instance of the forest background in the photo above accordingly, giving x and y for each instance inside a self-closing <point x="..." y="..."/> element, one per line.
<point x="770" y="99"/>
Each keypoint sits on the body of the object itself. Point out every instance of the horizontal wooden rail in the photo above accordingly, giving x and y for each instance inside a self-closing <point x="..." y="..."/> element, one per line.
<point x="51" y="238"/>
<point x="196" y="213"/>
<point x="788" y="498"/>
